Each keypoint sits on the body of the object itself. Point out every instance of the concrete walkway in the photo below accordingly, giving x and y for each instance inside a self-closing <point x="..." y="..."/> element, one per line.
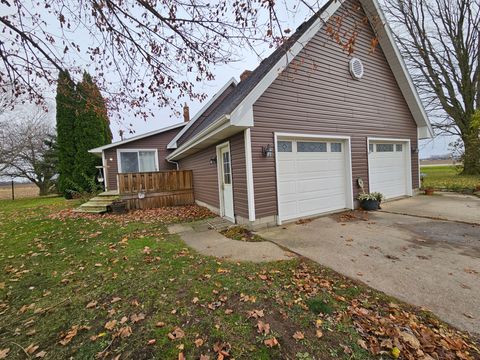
<point x="205" y="238"/>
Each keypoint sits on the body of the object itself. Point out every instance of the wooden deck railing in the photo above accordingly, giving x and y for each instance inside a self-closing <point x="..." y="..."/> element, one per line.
<point x="156" y="189"/>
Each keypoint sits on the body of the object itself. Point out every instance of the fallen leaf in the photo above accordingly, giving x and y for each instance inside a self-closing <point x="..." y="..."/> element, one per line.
<point x="177" y="333"/>
<point x="115" y="299"/>
<point x="91" y="304"/>
<point x="198" y="342"/>
<point x="271" y="342"/>
<point x="319" y="333"/>
<point x="204" y="357"/>
<point x="124" y="332"/>
<point x="41" y="354"/>
<point x="181" y="356"/>
<point x="160" y="324"/>
<point x="123" y="320"/>
<point x="298" y="335"/>
<point x="31" y="348"/>
<point x="255" y="314"/>
<point x="228" y="311"/>
<point x="410" y="339"/>
<point x="151" y="342"/>
<point x="4" y="353"/>
<point x="263" y="328"/>
<point x="137" y="317"/>
<point x="110" y="324"/>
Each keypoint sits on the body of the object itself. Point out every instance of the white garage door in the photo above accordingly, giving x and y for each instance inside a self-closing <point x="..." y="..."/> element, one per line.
<point x="388" y="172"/>
<point x="312" y="177"/>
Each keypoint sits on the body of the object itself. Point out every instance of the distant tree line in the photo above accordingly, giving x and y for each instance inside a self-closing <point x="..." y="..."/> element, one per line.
<point x="82" y="124"/>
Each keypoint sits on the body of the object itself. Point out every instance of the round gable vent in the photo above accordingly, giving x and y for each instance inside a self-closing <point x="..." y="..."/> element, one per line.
<point x="356" y="68"/>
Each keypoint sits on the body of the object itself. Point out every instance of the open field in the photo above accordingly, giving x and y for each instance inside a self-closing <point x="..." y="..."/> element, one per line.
<point x="121" y="287"/>
<point x="21" y="191"/>
<point x="448" y="178"/>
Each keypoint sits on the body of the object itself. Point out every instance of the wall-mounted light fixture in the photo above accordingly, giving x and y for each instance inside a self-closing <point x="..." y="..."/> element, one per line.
<point x="267" y="151"/>
<point x="414" y="150"/>
<point x="213" y="161"/>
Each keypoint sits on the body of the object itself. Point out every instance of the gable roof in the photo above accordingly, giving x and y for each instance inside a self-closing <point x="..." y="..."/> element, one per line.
<point x="99" y="149"/>
<point x="173" y="144"/>
<point x="237" y="108"/>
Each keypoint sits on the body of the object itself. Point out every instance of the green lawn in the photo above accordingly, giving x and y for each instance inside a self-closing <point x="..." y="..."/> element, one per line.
<point x="448" y="178"/>
<point x="121" y="287"/>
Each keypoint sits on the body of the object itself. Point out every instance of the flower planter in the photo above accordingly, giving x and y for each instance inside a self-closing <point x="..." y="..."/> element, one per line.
<point x="370" y="205"/>
<point x="429" y="191"/>
<point x="119" y="207"/>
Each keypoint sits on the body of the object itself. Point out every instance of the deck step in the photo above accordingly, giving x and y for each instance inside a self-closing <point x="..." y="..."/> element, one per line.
<point x="98" y="204"/>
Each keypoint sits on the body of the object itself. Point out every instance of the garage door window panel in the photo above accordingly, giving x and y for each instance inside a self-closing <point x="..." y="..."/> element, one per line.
<point x="384" y="147"/>
<point x="284" y="146"/>
<point x="311" y="146"/>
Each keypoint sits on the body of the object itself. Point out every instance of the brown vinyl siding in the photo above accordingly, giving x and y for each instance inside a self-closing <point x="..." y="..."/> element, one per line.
<point x="317" y="95"/>
<point x="239" y="171"/>
<point x="200" y="123"/>
<point x="157" y="141"/>
<point x="205" y="178"/>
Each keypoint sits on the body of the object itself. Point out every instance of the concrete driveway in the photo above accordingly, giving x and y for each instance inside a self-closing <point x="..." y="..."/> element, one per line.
<point x="421" y="260"/>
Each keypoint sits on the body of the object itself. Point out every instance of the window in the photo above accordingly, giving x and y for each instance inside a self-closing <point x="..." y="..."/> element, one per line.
<point x="399" y="147"/>
<point x="370" y="148"/>
<point x="310" y="146"/>
<point x="137" y="161"/>
<point x="336" y="147"/>
<point x="284" y="146"/>
<point x="384" y="147"/>
<point x="227" y="176"/>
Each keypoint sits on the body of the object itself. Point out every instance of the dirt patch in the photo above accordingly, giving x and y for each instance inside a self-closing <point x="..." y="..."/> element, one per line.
<point x="241" y="234"/>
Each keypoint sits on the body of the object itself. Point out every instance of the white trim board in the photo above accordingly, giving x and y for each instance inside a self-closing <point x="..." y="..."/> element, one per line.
<point x="408" y="159"/>
<point x="119" y="163"/>
<point x="173" y="143"/>
<point x="98" y="150"/>
<point x="348" y="161"/>
<point x="249" y="170"/>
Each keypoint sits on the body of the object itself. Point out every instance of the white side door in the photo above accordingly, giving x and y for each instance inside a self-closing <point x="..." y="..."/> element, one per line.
<point x="225" y="182"/>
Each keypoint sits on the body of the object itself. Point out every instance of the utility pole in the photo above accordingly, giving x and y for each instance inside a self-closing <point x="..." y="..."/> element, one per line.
<point x="13" y="189"/>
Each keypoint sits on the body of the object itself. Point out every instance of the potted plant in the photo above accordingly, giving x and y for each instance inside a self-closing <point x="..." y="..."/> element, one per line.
<point x="379" y="196"/>
<point x="429" y="191"/>
<point x="370" y="201"/>
<point x="119" y="207"/>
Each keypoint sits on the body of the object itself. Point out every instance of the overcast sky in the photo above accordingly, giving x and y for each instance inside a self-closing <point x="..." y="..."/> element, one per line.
<point x="246" y="59"/>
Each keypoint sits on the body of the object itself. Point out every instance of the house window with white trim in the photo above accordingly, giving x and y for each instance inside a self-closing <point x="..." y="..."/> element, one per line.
<point x="138" y="161"/>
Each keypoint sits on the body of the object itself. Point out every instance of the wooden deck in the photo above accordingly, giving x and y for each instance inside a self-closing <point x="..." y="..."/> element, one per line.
<point x="156" y="189"/>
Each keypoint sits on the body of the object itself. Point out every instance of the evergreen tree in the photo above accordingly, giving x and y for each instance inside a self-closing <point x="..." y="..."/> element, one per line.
<point x="92" y="129"/>
<point x="66" y="114"/>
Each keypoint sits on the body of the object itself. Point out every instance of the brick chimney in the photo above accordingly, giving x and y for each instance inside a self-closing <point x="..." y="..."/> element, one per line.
<point x="186" y="113"/>
<point x="245" y="74"/>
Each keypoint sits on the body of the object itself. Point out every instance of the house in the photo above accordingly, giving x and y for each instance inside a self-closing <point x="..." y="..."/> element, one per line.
<point x="308" y="129"/>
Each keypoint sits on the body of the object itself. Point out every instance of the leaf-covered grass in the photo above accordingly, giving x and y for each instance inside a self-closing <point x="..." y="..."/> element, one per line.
<point x="449" y="178"/>
<point x="86" y="287"/>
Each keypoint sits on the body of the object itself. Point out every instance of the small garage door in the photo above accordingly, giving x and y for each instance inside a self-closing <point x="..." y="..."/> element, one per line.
<point x="388" y="168"/>
<point x="312" y="177"/>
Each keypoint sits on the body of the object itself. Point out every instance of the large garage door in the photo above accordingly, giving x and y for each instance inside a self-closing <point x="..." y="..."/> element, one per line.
<point x="312" y="177"/>
<point x="387" y="163"/>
